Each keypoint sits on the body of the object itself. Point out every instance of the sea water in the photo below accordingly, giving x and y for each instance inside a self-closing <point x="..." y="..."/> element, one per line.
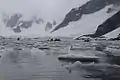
<point x="26" y="62"/>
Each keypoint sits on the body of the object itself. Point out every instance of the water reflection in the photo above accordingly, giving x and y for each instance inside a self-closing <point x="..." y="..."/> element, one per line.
<point x="31" y="64"/>
<point x="35" y="64"/>
<point x="107" y="69"/>
<point x="104" y="71"/>
<point x="16" y="56"/>
<point x="114" y="60"/>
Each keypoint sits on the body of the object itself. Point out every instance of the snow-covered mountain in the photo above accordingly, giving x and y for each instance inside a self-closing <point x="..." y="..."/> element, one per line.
<point x="89" y="24"/>
<point x="65" y="17"/>
<point x="89" y="8"/>
<point x="17" y="24"/>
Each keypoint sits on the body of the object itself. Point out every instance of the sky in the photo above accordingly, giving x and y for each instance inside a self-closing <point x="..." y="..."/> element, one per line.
<point x="48" y="9"/>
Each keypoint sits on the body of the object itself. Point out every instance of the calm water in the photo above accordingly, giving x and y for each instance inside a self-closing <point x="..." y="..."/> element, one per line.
<point x="30" y="63"/>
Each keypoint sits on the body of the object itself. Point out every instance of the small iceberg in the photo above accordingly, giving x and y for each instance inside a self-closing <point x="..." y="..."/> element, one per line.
<point x="43" y="48"/>
<point x="79" y="57"/>
<point x="79" y="48"/>
<point x="93" y="68"/>
<point x="112" y="52"/>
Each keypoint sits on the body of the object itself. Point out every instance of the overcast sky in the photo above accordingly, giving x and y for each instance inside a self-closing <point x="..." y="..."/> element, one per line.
<point x="48" y="9"/>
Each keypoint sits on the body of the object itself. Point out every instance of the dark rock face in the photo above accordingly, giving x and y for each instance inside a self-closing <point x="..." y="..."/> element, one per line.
<point x="17" y="29"/>
<point x="109" y="25"/>
<point x="48" y="26"/>
<point x="90" y="7"/>
<point x="13" y="20"/>
<point x="37" y="20"/>
<point x="54" y="22"/>
<point x="26" y="24"/>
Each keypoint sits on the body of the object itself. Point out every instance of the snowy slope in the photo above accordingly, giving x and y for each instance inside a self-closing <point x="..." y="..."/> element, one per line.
<point x="88" y="23"/>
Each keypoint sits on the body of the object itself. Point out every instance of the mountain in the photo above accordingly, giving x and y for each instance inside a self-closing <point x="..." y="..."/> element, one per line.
<point x="109" y="25"/>
<point x="48" y="26"/>
<point x="64" y="19"/>
<point x="17" y="29"/>
<point x="12" y="20"/>
<point x="90" y="7"/>
<point x="16" y="22"/>
<point x="54" y="22"/>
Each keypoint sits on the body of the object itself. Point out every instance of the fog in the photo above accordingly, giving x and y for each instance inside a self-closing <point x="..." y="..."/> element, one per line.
<point x="48" y="9"/>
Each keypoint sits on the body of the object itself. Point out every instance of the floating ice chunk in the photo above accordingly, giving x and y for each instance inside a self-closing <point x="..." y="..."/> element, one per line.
<point x="74" y="66"/>
<point x="79" y="48"/>
<point x="79" y="57"/>
<point x="112" y="52"/>
<point x="91" y="67"/>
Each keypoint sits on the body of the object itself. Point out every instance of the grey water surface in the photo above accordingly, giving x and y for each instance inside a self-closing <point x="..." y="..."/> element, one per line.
<point x="21" y="60"/>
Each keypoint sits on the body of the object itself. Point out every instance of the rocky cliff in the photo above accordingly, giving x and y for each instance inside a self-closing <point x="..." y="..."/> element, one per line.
<point x="90" y="7"/>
